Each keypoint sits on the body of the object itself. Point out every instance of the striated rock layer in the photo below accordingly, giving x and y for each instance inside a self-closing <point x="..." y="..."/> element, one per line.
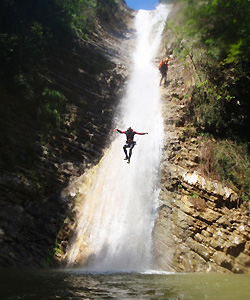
<point x="201" y="226"/>
<point x="91" y="74"/>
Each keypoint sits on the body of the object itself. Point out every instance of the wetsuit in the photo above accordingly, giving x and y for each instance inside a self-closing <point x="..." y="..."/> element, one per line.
<point x="163" y="67"/>
<point x="130" y="143"/>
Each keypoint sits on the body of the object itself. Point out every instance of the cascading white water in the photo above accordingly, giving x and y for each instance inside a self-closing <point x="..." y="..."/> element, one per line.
<point x="118" y="202"/>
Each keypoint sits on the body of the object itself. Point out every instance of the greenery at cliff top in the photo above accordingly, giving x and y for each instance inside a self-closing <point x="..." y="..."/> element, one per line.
<point x="213" y="38"/>
<point x="33" y="35"/>
<point x="32" y="31"/>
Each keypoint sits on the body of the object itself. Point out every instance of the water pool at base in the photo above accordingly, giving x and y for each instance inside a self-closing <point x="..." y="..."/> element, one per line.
<point x="76" y="285"/>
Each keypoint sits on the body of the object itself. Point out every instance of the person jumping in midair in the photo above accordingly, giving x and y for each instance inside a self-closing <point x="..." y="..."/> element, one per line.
<point x="130" y="143"/>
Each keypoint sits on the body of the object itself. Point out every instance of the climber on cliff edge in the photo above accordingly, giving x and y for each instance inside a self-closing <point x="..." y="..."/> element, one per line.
<point x="130" y="143"/>
<point x="163" y="68"/>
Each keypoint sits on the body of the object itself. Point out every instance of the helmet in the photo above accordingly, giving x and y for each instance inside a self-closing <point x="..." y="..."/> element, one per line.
<point x="129" y="129"/>
<point x="166" y="59"/>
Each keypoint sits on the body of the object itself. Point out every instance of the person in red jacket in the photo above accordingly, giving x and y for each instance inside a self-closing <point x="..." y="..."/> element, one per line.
<point x="163" y="67"/>
<point x="130" y="143"/>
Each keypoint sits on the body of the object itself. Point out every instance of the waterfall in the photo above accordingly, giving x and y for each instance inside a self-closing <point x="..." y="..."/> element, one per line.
<point x="118" y="202"/>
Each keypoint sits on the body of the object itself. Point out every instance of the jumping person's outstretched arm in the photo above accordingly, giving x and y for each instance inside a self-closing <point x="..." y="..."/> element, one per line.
<point x="140" y="133"/>
<point x="120" y="131"/>
<point x="135" y="132"/>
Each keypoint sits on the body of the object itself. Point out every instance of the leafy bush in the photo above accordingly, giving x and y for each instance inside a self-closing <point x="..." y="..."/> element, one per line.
<point x="230" y="163"/>
<point x="51" y="110"/>
<point x="213" y="39"/>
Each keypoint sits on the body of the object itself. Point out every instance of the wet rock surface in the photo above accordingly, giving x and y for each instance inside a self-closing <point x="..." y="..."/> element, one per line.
<point x="32" y="209"/>
<point x="202" y="225"/>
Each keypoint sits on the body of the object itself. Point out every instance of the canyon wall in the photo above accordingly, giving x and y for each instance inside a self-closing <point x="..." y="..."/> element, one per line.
<point x="92" y="75"/>
<point x="202" y="225"/>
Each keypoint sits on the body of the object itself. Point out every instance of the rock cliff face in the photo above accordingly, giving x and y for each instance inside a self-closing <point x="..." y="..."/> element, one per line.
<point x="202" y="226"/>
<point x="92" y="76"/>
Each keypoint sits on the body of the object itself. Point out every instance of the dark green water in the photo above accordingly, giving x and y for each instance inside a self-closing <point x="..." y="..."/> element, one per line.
<point x="45" y="285"/>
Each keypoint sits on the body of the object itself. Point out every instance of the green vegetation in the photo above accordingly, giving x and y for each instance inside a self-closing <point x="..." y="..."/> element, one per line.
<point x="30" y="29"/>
<point x="31" y="33"/>
<point x="36" y="37"/>
<point x="213" y="38"/>
<point x="232" y="162"/>
<point x="49" y="112"/>
<point x="228" y="162"/>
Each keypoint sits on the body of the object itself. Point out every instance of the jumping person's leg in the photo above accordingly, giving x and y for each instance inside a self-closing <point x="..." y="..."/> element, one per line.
<point x="125" y="151"/>
<point x="130" y="151"/>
